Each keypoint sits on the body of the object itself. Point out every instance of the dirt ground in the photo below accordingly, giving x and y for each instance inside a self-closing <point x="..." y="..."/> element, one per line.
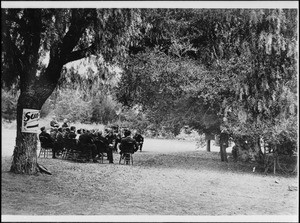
<point x="162" y="182"/>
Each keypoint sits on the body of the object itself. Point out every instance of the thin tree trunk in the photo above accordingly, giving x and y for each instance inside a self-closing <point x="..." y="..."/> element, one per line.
<point x="223" y="153"/>
<point x="223" y="146"/>
<point x="208" y="145"/>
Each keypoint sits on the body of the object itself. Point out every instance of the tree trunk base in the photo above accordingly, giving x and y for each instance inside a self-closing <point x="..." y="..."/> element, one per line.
<point x="24" y="162"/>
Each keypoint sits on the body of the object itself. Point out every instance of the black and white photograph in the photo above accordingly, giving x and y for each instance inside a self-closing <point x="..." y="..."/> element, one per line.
<point x="154" y="111"/>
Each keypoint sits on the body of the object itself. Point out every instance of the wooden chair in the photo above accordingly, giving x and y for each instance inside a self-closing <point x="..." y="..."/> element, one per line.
<point x="46" y="147"/>
<point x="127" y="149"/>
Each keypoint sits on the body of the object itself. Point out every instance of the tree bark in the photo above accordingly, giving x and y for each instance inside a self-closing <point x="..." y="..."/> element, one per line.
<point x="33" y="96"/>
<point x="223" y="146"/>
<point x="208" y="145"/>
<point x="24" y="156"/>
<point x="223" y="153"/>
<point x="36" y="90"/>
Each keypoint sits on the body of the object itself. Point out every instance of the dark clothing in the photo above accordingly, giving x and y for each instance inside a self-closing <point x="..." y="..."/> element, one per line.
<point x="65" y="125"/>
<point x="53" y="135"/>
<point x="87" y="146"/>
<point x="117" y="138"/>
<point x="59" y="137"/>
<point x="110" y="153"/>
<point x="110" y="138"/>
<point x="140" y="140"/>
<point x="58" y="143"/>
<point x="65" y="134"/>
<point x="46" y="139"/>
<point x="86" y="138"/>
<point x="47" y="142"/>
<point x="103" y="146"/>
<point x="128" y="144"/>
<point x="72" y="135"/>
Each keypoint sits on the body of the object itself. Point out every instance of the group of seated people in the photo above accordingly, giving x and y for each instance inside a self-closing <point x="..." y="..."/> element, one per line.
<point x="89" y="143"/>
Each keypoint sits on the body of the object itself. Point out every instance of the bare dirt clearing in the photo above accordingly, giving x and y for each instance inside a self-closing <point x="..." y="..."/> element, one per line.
<point x="159" y="183"/>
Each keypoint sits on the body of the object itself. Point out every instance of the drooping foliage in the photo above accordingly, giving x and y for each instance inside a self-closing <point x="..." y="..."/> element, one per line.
<point x="243" y="66"/>
<point x="165" y="87"/>
<point x="83" y="95"/>
<point x="263" y="102"/>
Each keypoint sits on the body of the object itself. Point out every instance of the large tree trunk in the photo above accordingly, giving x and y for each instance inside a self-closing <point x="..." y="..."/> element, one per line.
<point x="24" y="156"/>
<point x="36" y="89"/>
<point x="33" y="96"/>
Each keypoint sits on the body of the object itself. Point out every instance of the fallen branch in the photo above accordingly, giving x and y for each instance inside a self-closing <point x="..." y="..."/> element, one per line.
<point x="43" y="169"/>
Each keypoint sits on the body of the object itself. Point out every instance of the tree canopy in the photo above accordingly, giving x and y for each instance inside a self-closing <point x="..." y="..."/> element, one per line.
<point x="232" y="70"/>
<point x="29" y="36"/>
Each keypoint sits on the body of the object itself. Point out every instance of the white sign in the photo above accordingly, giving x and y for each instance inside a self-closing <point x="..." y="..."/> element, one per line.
<point x="30" y="120"/>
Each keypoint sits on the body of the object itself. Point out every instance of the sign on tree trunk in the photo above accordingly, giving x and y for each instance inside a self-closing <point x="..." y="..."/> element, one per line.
<point x="30" y="120"/>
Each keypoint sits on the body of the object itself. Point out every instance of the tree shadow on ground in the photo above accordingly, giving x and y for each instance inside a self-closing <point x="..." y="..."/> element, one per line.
<point x="199" y="160"/>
